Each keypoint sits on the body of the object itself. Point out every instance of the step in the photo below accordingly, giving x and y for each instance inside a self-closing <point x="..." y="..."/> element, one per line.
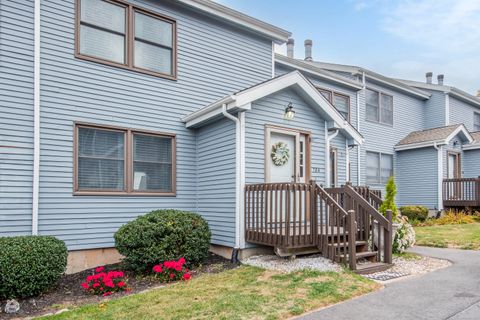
<point x="358" y="255"/>
<point x="341" y="244"/>
<point x="372" y="267"/>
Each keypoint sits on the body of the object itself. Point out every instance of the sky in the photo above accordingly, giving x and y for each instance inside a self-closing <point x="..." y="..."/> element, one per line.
<point x="398" y="38"/>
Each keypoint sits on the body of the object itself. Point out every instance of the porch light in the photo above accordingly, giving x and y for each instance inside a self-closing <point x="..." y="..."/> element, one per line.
<point x="289" y="113"/>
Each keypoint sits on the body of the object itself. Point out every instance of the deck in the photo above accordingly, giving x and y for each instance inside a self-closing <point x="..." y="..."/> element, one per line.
<point x="461" y="193"/>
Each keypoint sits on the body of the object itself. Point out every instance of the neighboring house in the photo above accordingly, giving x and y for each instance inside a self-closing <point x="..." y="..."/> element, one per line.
<point x="110" y="109"/>
<point x="387" y="111"/>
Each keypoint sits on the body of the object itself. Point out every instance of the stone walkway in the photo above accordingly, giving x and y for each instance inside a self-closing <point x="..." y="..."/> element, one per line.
<point x="449" y="293"/>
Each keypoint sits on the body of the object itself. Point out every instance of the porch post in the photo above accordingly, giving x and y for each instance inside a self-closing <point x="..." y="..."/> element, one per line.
<point x="388" y="239"/>
<point x="352" y="233"/>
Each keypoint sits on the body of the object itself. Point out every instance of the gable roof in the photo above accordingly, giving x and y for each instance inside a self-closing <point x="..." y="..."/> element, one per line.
<point x="476" y="141"/>
<point x="241" y="101"/>
<point x="225" y="13"/>
<point x="376" y="77"/>
<point x="453" y="91"/>
<point x="432" y="137"/>
<point x="316" y="71"/>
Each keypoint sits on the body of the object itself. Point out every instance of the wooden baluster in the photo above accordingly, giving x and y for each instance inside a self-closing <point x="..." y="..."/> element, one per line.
<point x="281" y="214"/>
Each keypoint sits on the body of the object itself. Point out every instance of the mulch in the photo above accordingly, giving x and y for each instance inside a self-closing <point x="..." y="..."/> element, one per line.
<point x="69" y="293"/>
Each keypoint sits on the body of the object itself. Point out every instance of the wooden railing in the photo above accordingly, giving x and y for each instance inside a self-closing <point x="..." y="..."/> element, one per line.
<point x="299" y="215"/>
<point x="461" y="192"/>
<point x="371" y="224"/>
<point x="371" y="195"/>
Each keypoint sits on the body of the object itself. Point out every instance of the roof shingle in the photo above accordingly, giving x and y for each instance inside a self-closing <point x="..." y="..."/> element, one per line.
<point x="428" y="135"/>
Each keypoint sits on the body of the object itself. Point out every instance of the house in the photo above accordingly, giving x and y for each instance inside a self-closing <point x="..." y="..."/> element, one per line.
<point x="110" y="109"/>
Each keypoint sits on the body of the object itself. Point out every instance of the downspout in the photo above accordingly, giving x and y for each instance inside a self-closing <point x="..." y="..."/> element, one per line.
<point x="36" y="118"/>
<point x="347" y="162"/>
<point x="238" y="179"/>
<point x="364" y="86"/>
<point x="328" y="138"/>
<point x="439" y="175"/>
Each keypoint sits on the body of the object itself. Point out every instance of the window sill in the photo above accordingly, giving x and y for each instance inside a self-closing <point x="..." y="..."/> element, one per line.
<point x="125" y="67"/>
<point x="124" y="194"/>
<point x="380" y="123"/>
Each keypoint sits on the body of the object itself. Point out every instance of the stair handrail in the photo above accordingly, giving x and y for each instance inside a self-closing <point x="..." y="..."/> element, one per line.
<point x="382" y="220"/>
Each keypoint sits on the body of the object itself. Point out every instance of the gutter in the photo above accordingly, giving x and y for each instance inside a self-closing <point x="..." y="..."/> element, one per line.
<point x="439" y="175"/>
<point x="239" y="176"/>
<point x="36" y="118"/>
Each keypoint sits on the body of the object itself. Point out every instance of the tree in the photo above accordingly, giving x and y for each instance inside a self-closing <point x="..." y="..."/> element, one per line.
<point x="389" y="201"/>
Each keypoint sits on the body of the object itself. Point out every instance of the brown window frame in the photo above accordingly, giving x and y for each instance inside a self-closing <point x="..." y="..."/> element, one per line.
<point x="332" y="99"/>
<point x="129" y="40"/>
<point x="128" y="162"/>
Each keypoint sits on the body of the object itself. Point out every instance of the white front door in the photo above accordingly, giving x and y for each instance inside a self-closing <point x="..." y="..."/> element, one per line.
<point x="286" y="156"/>
<point x="282" y="169"/>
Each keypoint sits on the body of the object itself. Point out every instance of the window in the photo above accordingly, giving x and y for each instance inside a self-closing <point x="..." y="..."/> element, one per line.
<point x="341" y="102"/>
<point x="476" y="121"/>
<point x="123" y="35"/>
<point x="123" y="161"/>
<point x="379" y="107"/>
<point x="379" y="167"/>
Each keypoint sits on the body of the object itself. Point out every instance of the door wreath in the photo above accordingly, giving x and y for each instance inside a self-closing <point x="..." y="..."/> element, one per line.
<point x="280" y="154"/>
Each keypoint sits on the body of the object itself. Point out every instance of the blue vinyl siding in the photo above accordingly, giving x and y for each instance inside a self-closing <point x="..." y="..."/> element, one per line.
<point x="216" y="179"/>
<point x="417" y="177"/>
<point x="213" y="61"/>
<point x="407" y="117"/>
<point x="434" y="110"/>
<point x="16" y="116"/>
<point x="462" y="112"/>
<point x="471" y="163"/>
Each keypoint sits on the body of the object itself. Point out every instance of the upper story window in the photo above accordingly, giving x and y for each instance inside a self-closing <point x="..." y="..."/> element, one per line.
<point x="340" y="101"/>
<point x="476" y="121"/>
<point x="379" y="107"/>
<point x="379" y="167"/>
<point x="120" y="34"/>
<point x="123" y="161"/>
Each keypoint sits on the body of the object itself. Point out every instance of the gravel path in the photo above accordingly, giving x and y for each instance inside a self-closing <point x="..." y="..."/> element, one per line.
<point x="273" y="262"/>
<point x="418" y="266"/>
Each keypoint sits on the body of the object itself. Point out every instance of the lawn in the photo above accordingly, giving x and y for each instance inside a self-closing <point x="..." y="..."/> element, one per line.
<point x="242" y="293"/>
<point x="464" y="236"/>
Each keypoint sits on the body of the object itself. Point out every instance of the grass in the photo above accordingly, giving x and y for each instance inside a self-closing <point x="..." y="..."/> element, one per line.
<point x="242" y="293"/>
<point x="407" y="256"/>
<point x="463" y="236"/>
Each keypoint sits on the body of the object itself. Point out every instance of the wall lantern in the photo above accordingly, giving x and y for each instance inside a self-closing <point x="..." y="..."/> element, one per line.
<point x="289" y="113"/>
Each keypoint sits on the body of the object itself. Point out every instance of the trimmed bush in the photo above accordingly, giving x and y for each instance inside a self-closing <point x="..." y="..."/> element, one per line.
<point x="414" y="213"/>
<point x="30" y="265"/>
<point x="163" y="235"/>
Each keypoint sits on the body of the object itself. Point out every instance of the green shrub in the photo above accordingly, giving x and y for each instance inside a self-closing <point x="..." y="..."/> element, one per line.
<point x="451" y="217"/>
<point x="163" y="235"/>
<point x="389" y="201"/>
<point x="415" y="212"/>
<point x="30" y="265"/>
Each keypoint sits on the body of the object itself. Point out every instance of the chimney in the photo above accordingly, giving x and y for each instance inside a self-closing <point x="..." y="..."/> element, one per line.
<point x="429" y="76"/>
<point x="308" y="50"/>
<point x="440" y="78"/>
<point x="290" y="45"/>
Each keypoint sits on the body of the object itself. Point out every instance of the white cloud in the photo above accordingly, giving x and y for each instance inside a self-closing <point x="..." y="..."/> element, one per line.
<point x="443" y="25"/>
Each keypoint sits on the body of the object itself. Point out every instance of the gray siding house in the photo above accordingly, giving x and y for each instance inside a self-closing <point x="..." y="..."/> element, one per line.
<point x="110" y="109"/>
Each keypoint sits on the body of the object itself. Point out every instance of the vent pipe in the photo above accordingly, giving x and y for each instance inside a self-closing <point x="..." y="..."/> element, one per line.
<point x="429" y="76"/>
<point x="440" y="78"/>
<point x="308" y="50"/>
<point x="290" y="47"/>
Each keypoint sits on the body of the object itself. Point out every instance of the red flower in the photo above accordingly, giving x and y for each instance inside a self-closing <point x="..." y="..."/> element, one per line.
<point x="181" y="261"/>
<point x="178" y="267"/>
<point x="121" y="284"/>
<point x="187" y="276"/>
<point x="99" y="269"/>
<point x="96" y="285"/>
<point x="168" y="264"/>
<point x="157" y="268"/>
<point x="90" y="278"/>
<point x="107" y="293"/>
<point x="85" y="285"/>
<point x="172" y="275"/>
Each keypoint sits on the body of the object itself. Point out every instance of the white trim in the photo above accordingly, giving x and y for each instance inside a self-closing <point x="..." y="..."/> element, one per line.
<point x="439" y="176"/>
<point x="359" y="149"/>
<point x="313" y="70"/>
<point x="273" y="59"/>
<point x="461" y="128"/>
<point x="347" y="162"/>
<point x="447" y="109"/>
<point x="328" y="139"/>
<point x="244" y="98"/>
<point x="36" y="118"/>
<point x="238" y="172"/>
<point x="275" y="33"/>
<point x="472" y="146"/>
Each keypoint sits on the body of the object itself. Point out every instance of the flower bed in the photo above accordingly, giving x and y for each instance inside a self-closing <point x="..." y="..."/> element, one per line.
<point x="70" y="292"/>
